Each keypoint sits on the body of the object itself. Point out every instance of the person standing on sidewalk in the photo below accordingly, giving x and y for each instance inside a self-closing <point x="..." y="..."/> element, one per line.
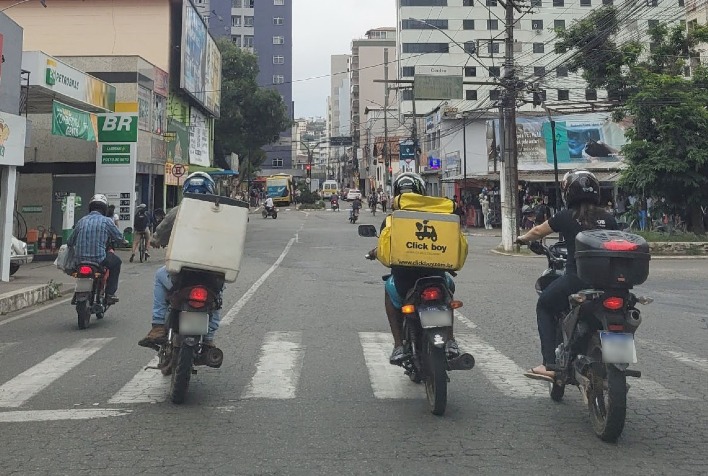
<point x="484" y="201"/>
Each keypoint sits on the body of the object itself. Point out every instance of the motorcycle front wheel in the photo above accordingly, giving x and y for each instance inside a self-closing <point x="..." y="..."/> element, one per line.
<point x="607" y="396"/>
<point x="181" y="373"/>
<point x="83" y="314"/>
<point x="436" y="377"/>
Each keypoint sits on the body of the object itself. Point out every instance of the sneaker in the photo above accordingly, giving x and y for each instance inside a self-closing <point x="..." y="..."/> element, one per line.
<point x="397" y="356"/>
<point x="132" y="257"/>
<point x="452" y="349"/>
<point x="147" y="255"/>
<point x="156" y="336"/>
<point x="110" y="299"/>
<point x="208" y="343"/>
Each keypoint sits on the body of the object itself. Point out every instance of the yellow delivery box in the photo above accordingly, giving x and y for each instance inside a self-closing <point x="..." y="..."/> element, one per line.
<point x="423" y="239"/>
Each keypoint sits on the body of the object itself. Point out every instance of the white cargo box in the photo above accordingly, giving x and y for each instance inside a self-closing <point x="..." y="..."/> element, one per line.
<point x="209" y="234"/>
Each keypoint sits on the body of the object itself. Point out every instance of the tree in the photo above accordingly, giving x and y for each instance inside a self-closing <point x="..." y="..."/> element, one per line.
<point x="667" y="152"/>
<point x="251" y="116"/>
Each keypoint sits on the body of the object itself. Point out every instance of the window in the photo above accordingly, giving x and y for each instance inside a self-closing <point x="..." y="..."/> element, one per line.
<point x="471" y="94"/>
<point x="559" y="24"/>
<point x="492" y="48"/>
<point x="585" y="3"/>
<point x="426" y="47"/>
<point x="248" y="21"/>
<point x="539" y="70"/>
<point x="470" y="71"/>
<point x="538" y="48"/>
<point x="536" y="3"/>
<point x="278" y="59"/>
<point x="561" y="72"/>
<point x="468" y="3"/>
<point x="468" y="24"/>
<point x="537" y="24"/>
<point x="278" y="21"/>
<point x="494" y="71"/>
<point x="558" y="3"/>
<point x="652" y="23"/>
<point x="563" y="94"/>
<point x="652" y="3"/>
<point x="491" y="3"/>
<point x="278" y="40"/>
<point x="236" y="3"/>
<point x="249" y="3"/>
<point x="591" y="94"/>
<point x="423" y="3"/>
<point x="681" y="3"/>
<point x="408" y="71"/>
<point x="407" y="94"/>
<point x="470" y="47"/>
<point x="236" y="20"/>
<point x="237" y="40"/>
<point x="277" y="163"/>
<point x="608" y="2"/>
<point x="494" y="94"/>
<point x="278" y="79"/>
<point x="248" y="41"/>
<point x="418" y="25"/>
<point x="278" y="2"/>
<point x="492" y="24"/>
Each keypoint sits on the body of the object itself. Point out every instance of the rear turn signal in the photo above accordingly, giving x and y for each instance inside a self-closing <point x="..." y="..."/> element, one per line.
<point x="430" y="294"/>
<point x="408" y="309"/>
<point x="613" y="303"/>
<point x="455" y="304"/>
<point x="198" y="297"/>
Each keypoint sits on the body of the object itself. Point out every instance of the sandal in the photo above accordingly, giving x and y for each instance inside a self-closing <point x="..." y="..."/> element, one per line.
<point x="537" y="374"/>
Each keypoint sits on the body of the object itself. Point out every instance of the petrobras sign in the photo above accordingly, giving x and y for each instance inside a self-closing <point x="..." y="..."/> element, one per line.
<point x="118" y="127"/>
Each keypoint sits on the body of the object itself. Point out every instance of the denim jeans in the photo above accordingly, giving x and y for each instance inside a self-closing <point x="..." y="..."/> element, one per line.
<point x="113" y="263"/>
<point x="163" y="285"/>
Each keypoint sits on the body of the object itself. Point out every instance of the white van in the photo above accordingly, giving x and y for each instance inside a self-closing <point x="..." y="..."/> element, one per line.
<point x="329" y="188"/>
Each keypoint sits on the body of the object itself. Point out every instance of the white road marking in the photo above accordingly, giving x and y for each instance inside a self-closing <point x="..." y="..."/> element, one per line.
<point x="464" y="320"/>
<point x="645" y="389"/>
<point x="24" y="386"/>
<point x="387" y="381"/>
<point x="691" y="360"/>
<point x="278" y="368"/>
<point x="54" y="415"/>
<point x="148" y="386"/>
<point x="34" y="311"/>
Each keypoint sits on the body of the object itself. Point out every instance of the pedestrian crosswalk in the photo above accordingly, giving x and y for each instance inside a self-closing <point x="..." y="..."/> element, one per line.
<point x="277" y="368"/>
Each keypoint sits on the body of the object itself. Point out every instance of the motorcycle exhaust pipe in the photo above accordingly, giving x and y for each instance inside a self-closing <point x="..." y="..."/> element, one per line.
<point x="463" y="362"/>
<point x="634" y="318"/>
<point x="214" y="358"/>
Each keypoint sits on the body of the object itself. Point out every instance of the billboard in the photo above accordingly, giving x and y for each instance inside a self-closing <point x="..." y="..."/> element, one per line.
<point x="200" y="74"/>
<point x="591" y="141"/>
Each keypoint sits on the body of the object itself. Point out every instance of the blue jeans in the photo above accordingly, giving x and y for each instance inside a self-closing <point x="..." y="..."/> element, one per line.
<point x="397" y="299"/>
<point x="642" y="220"/>
<point x="163" y="285"/>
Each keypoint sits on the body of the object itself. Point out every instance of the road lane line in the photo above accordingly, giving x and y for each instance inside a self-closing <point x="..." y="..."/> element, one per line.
<point x="24" y="386"/>
<point x="387" y="381"/>
<point x="278" y="368"/>
<point x="464" y="320"/>
<point x="35" y="311"/>
<point x="21" y="416"/>
<point x="147" y="386"/>
<point x="645" y="389"/>
<point x="691" y="360"/>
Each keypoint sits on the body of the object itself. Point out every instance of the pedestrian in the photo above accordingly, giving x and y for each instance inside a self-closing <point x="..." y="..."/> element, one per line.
<point x="543" y="212"/>
<point x="384" y="201"/>
<point x="484" y="201"/>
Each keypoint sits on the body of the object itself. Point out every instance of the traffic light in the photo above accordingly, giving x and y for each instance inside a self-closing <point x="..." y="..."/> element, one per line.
<point x="308" y="167"/>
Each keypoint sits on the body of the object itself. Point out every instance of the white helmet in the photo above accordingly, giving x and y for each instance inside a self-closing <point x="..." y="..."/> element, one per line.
<point x="99" y="202"/>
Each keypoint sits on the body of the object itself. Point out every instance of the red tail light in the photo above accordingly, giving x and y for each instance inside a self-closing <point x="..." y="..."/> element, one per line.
<point x="85" y="271"/>
<point x="615" y="328"/>
<point x="613" y="303"/>
<point x="431" y="294"/>
<point x="198" y="297"/>
<point x="620" y="245"/>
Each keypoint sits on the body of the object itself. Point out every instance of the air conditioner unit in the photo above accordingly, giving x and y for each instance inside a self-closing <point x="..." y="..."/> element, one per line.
<point x="538" y="32"/>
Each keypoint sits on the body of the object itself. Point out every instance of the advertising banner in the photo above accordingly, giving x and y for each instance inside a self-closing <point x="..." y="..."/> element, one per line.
<point x="144" y="104"/>
<point x="161" y="84"/>
<point x="159" y="115"/>
<point x="591" y="141"/>
<point x="198" y="139"/>
<point x="177" y="138"/>
<point x="12" y="139"/>
<point x="201" y="61"/>
<point x="70" y="122"/>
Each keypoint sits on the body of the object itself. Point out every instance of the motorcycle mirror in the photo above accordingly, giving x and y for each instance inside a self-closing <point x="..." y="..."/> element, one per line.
<point x="537" y="247"/>
<point x="367" y="231"/>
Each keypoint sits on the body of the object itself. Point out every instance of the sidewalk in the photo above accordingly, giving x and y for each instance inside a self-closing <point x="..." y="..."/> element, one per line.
<point x="31" y="285"/>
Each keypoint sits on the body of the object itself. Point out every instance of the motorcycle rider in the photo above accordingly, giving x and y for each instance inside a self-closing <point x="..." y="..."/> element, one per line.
<point x="269" y="205"/>
<point x="581" y="194"/>
<point x="198" y="182"/>
<point x="90" y="238"/>
<point x="141" y="226"/>
<point x="334" y="201"/>
<point x="402" y="279"/>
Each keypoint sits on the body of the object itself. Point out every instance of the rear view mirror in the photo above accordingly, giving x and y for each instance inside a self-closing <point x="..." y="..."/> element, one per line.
<point x="367" y="231"/>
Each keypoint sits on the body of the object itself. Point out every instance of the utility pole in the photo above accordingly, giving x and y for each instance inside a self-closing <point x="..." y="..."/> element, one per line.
<point x="385" y="112"/>
<point x="510" y="173"/>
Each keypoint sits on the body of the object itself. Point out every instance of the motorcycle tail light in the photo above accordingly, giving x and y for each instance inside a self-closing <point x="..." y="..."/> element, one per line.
<point x="431" y="294"/>
<point x="85" y="271"/>
<point x="615" y="328"/>
<point x="613" y="303"/>
<point x="198" y="297"/>
<point x="620" y="245"/>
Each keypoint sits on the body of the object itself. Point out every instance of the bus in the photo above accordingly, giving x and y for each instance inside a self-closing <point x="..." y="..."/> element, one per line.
<point x="329" y="188"/>
<point x="279" y="187"/>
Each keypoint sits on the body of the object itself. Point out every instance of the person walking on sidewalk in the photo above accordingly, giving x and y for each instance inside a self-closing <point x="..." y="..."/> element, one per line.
<point x="484" y="201"/>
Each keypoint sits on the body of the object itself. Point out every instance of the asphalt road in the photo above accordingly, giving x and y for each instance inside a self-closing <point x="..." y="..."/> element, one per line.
<point x="305" y="387"/>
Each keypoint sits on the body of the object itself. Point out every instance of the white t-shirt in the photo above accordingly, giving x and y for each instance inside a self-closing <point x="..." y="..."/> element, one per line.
<point x="269" y="202"/>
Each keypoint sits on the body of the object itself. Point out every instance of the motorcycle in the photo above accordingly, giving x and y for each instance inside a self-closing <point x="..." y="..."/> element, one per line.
<point x="428" y="313"/>
<point x="596" y="333"/>
<point x="270" y="212"/>
<point x="335" y="206"/>
<point x="90" y="292"/>
<point x="353" y="215"/>
<point x="194" y="296"/>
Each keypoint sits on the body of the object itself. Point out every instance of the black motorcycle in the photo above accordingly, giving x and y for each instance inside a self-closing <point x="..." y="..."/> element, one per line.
<point x="270" y="212"/>
<point x="596" y="334"/>
<point x="194" y="296"/>
<point x="90" y="292"/>
<point x="428" y="314"/>
<point x="353" y="215"/>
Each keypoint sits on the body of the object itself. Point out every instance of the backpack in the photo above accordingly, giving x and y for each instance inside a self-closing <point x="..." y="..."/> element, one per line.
<point x="140" y="222"/>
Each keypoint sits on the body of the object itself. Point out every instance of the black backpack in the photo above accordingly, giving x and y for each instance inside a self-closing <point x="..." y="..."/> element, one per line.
<point x="141" y="221"/>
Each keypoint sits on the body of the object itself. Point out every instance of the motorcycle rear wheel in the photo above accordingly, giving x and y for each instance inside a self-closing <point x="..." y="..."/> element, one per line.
<point x="607" y="396"/>
<point x="436" y="378"/>
<point x="83" y="314"/>
<point x="181" y="373"/>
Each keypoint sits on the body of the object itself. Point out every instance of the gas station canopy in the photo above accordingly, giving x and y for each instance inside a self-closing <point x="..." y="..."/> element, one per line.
<point x="50" y="80"/>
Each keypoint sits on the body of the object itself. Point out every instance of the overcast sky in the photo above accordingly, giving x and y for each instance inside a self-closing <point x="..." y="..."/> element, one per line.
<point x="322" y="28"/>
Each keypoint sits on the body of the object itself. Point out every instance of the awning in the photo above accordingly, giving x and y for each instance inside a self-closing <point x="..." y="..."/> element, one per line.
<point x="211" y="170"/>
<point x="535" y="176"/>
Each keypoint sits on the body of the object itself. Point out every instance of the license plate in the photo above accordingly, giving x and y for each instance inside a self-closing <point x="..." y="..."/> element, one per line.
<point x="618" y="348"/>
<point x="193" y="323"/>
<point x="83" y="285"/>
<point x="434" y="317"/>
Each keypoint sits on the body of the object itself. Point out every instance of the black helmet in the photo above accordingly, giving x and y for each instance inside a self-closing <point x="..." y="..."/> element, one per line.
<point x="408" y="182"/>
<point x="580" y="186"/>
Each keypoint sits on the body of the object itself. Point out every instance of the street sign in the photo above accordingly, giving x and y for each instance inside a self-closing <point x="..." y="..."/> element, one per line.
<point x="344" y="141"/>
<point x="308" y="180"/>
<point x="178" y="170"/>
<point x="438" y="87"/>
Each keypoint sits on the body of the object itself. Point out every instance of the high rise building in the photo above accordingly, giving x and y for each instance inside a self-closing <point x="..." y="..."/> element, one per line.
<point x="264" y="28"/>
<point x="338" y="111"/>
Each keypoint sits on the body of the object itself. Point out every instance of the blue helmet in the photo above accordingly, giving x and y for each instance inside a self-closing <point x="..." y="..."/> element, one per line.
<point x="199" y="182"/>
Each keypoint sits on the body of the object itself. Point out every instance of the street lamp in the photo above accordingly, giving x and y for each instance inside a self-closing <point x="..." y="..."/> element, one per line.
<point x="43" y="2"/>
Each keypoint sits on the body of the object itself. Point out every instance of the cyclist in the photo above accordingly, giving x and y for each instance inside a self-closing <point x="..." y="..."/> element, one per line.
<point x="141" y="227"/>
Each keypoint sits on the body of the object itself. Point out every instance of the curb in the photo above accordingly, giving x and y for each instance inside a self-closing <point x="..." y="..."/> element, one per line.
<point x="25" y="297"/>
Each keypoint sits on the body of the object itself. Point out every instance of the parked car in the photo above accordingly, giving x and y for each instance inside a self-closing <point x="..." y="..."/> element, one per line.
<point x="353" y="193"/>
<point x="18" y="255"/>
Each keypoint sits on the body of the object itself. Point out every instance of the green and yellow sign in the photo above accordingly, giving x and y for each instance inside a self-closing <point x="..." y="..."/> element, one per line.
<point x="70" y="122"/>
